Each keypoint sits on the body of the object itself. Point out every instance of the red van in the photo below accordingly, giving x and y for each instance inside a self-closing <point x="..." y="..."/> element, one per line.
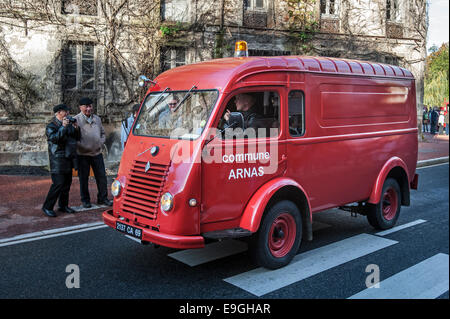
<point x="254" y="146"/>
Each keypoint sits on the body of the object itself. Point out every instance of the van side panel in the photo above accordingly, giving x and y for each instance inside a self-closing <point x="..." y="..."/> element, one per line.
<point x="354" y="125"/>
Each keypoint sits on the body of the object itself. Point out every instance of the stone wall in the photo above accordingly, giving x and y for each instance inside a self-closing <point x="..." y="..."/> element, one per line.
<point x="26" y="144"/>
<point x="359" y="31"/>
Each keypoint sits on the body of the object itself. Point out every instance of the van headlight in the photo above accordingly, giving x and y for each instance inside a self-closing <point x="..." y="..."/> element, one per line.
<point x="166" y="202"/>
<point x="116" y="187"/>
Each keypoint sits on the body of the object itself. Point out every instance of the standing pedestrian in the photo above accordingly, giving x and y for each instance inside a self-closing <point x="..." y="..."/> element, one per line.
<point x="89" y="150"/>
<point x="62" y="136"/>
<point x="447" y="129"/>
<point x="441" y="122"/>
<point x="434" y="117"/>
<point x="425" y="120"/>
<point x="126" y="125"/>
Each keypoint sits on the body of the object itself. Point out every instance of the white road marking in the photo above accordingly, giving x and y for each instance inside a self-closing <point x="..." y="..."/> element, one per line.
<point x="50" y="234"/>
<point x="261" y="281"/>
<point x="397" y="228"/>
<point x="133" y="238"/>
<point x="426" y="280"/>
<point x="82" y="209"/>
<point x="213" y="251"/>
<point x="424" y="164"/>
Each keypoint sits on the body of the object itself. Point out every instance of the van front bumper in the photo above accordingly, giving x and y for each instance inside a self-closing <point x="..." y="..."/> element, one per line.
<point x="167" y="240"/>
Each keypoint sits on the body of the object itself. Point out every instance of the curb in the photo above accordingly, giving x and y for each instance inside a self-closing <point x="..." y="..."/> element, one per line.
<point x="49" y="233"/>
<point x="432" y="161"/>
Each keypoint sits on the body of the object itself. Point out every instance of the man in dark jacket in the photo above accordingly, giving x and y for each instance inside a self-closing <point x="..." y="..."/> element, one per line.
<point x="62" y="136"/>
<point x="245" y="104"/>
<point x="434" y="120"/>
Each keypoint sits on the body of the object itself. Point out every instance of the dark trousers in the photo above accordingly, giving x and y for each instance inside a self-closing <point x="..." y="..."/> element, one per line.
<point x="433" y="127"/>
<point x="98" y="167"/>
<point x="59" y="189"/>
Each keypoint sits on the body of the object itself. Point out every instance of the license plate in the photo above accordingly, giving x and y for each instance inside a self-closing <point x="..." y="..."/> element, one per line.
<point x="129" y="230"/>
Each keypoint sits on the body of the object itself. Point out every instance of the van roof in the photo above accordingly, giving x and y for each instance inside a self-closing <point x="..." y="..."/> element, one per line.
<point x="218" y="73"/>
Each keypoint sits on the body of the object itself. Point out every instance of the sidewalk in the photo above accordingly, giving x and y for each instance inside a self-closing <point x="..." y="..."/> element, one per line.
<point x="21" y="197"/>
<point x="433" y="146"/>
<point x="21" y="203"/>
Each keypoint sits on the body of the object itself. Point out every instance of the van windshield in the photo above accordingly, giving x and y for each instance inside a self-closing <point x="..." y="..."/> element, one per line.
<point x="175" y="114"/>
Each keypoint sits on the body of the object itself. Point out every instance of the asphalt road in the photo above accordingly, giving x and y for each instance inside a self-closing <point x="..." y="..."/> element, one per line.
<point x="333" y="265"/>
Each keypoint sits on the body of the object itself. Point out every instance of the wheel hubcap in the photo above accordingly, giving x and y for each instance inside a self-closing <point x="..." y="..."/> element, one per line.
<point x="282" y="235"/>
<point x="390" y="204"/>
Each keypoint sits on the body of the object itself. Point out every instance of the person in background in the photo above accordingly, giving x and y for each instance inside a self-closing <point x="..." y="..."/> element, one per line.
<point x="126" y="125"/>
<point x="441" y="122"/>
<point x="425" y="120"/>
<point x="89" y="150"/>
<point x="434" y="117"/>
<point x="447" y="129"/>
<point x="62" y="136"/>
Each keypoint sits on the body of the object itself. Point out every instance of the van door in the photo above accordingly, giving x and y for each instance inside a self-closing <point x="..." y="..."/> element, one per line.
<point x="238" y="162"/>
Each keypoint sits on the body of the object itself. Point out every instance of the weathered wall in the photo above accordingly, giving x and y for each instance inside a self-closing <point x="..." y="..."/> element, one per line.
<point x="125" y="43"/>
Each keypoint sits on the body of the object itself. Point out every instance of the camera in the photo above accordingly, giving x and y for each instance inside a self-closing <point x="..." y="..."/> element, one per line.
<point x="71" y="119"/>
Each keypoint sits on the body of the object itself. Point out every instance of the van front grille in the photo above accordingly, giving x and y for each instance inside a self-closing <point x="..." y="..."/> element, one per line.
<point x="143" y="191"/>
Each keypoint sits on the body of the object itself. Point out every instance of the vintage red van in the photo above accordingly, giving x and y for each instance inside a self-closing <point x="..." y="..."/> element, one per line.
<point x="254" y="146"/>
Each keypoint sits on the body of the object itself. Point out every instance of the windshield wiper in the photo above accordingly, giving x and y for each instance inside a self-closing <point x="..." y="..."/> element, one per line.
<point x="188" y="94"/>
<point x="232" y="125"/>
<point x="161" y="95"/>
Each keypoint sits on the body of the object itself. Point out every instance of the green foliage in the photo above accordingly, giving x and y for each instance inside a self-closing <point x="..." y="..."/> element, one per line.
<point x="437" y="77"/>
<point x="170" y="30"/>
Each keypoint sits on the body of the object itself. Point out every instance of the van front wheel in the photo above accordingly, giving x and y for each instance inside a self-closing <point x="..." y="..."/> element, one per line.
<point x="384" y="215"/>
<point x="279" y="236"/>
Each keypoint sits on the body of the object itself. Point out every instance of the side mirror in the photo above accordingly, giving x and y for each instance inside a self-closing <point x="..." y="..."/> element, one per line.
<point x="143" y="80"/>
<point x="236" y="120"/>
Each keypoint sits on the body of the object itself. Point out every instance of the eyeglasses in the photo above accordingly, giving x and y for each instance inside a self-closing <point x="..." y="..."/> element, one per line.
<point x="172" y="103"/>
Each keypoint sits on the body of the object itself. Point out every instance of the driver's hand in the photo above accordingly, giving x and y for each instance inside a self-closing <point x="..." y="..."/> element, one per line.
<point x="227" y="115"/>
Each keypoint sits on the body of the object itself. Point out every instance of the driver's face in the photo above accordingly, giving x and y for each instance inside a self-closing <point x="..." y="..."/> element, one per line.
<point x="243" y="102"/>
<point x="172" y="104"/>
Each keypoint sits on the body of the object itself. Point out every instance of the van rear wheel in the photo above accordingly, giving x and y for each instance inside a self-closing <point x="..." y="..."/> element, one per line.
<point x="384" y="215"/>
<point x="279" y="236"/>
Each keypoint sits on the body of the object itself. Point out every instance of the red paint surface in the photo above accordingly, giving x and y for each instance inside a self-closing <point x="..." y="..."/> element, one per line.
<point x="360" y="117"/>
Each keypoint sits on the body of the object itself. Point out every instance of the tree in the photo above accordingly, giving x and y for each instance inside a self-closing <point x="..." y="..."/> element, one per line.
<point x="437" y="77"/>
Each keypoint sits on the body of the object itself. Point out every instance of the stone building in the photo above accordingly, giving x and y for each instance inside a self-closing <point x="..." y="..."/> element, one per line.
<point x="58" y="50"/>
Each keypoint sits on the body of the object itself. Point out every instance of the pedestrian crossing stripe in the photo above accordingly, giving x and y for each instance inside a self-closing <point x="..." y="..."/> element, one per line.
<point x="214" y="251"/>
<point x="426" y="280"/>
<point x="262" y="281"/>
<point x="218" y="250"/>
<point x="397" y="228"/>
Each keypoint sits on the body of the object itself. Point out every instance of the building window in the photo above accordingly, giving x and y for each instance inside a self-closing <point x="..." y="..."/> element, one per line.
<point x="85" y="7"/>
<point x="296" y="105"/>
<point x="174" y="10"/>
<point x="78" y="66"/>
<point x="329" y="8"/>
<point x="392" y="11"/>
<point x="172" y="57"/>
<point x="257" y="5"/>
<point x="392" y="60"/>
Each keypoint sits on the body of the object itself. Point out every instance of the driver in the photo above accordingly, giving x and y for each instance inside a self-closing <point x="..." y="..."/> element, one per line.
<point x="166" y="118"/>
<point x="245" y="104"/>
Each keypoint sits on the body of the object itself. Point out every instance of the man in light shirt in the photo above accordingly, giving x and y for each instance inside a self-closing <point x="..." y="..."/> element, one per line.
<point x="89" y="150"/>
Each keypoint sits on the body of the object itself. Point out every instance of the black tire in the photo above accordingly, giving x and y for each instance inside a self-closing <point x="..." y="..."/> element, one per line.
<point x="279" y="236"/>
<point x="384" y="215"/>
